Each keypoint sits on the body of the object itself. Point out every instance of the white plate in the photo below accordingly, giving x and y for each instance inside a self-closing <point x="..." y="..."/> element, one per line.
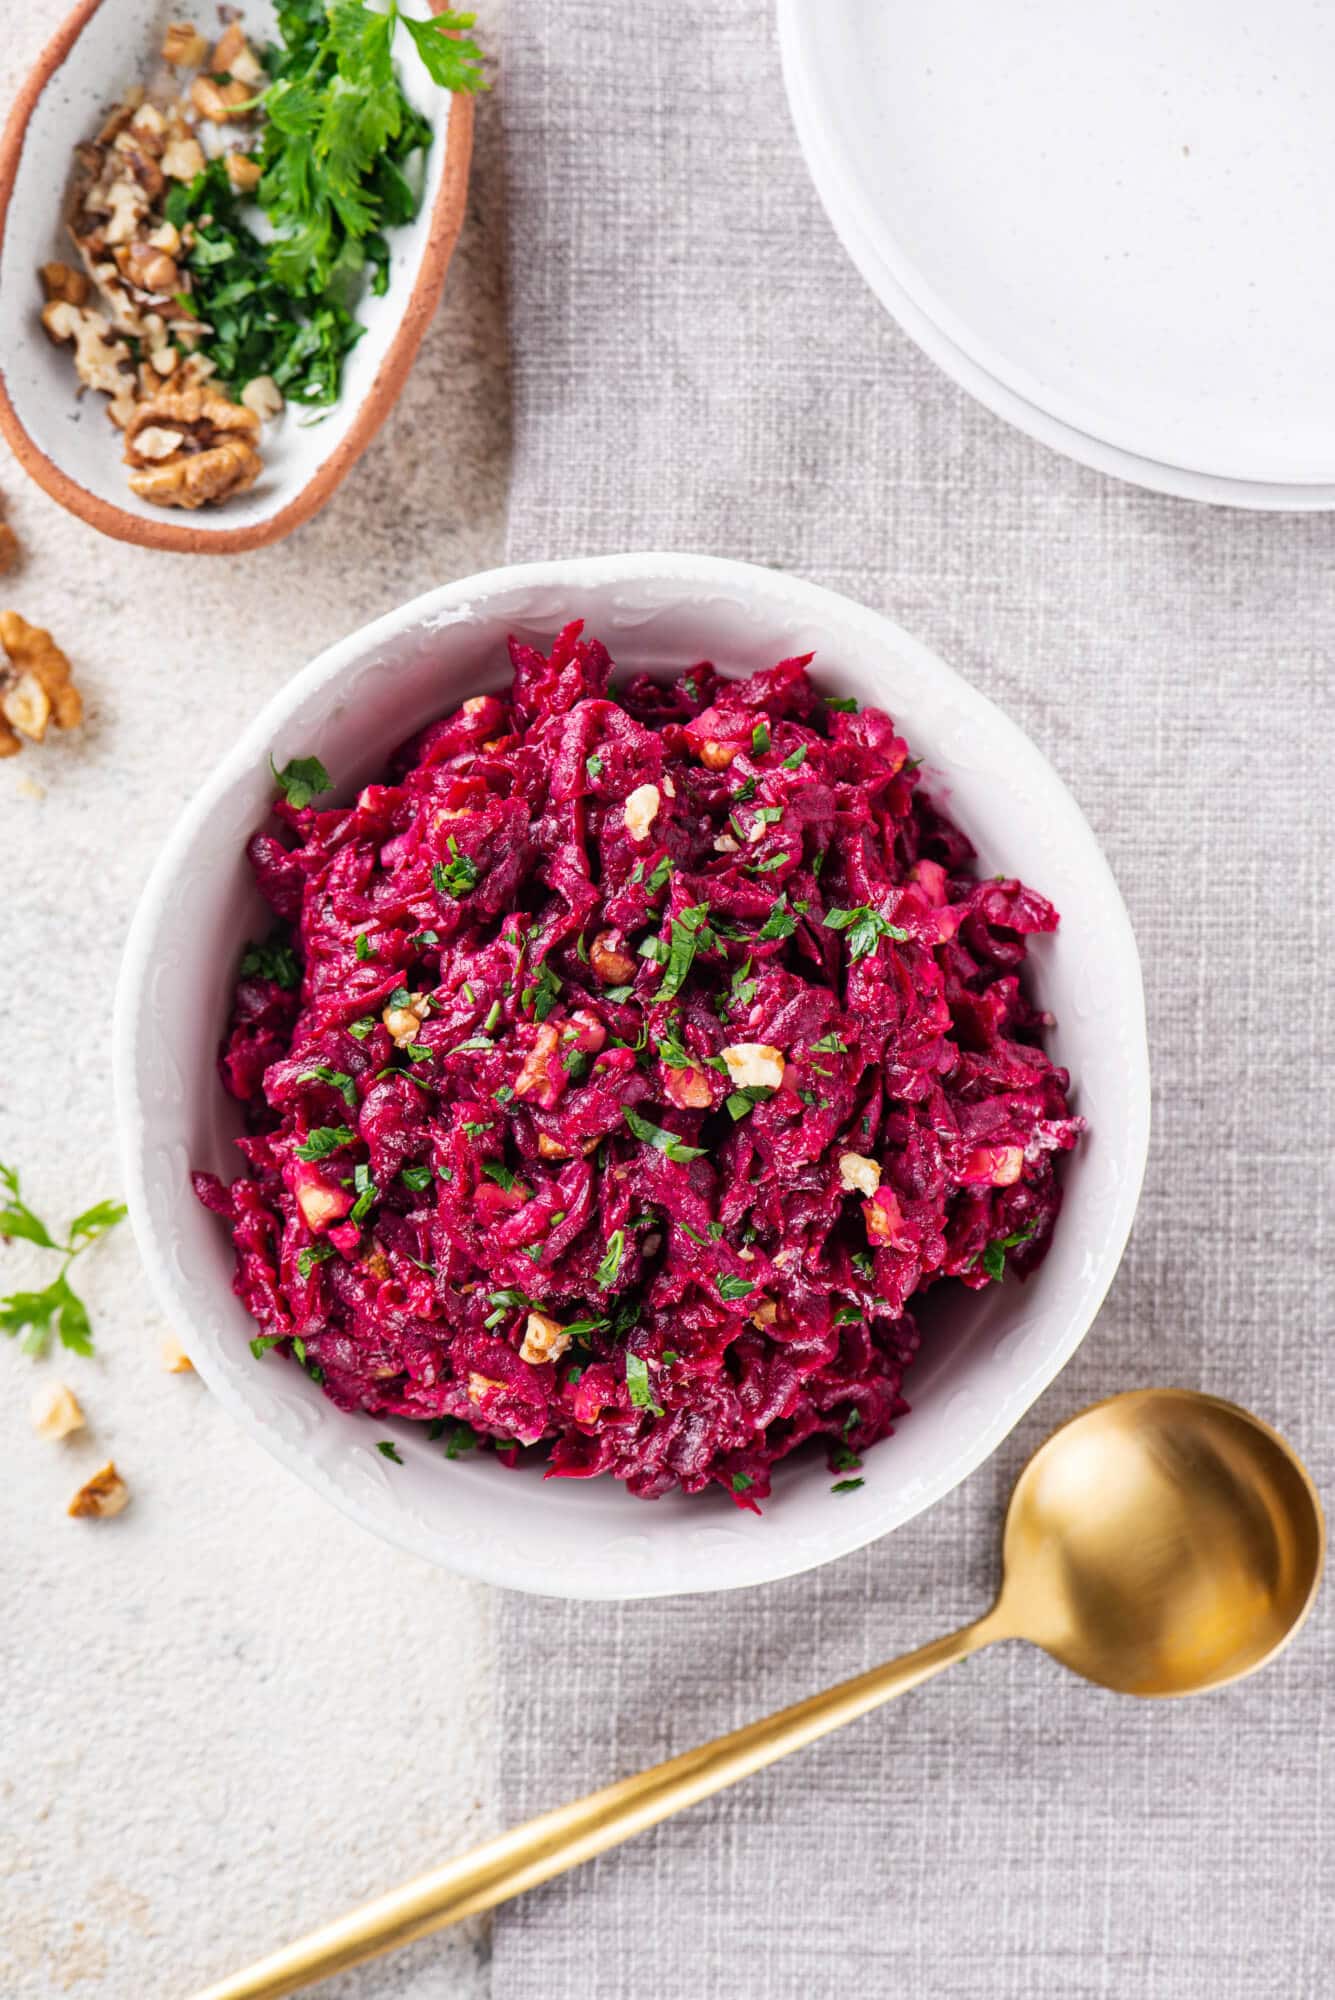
<point x="1020" y="172"/>
<point x="988" y="1355"/>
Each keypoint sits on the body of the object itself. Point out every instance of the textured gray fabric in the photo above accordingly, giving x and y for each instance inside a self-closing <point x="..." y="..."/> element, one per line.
<point x="698" y="365"/>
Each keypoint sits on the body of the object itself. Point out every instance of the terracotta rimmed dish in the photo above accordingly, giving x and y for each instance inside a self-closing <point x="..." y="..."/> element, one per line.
<point x="67" y="443"/>
<point x="989" y="1354"/>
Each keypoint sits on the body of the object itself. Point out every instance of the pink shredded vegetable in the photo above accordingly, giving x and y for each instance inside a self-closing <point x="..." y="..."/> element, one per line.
<point x="622" y="1068"/>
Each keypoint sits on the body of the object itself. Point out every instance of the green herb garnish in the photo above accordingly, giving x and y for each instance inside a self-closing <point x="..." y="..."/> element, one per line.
<point x="337" y="1079"/>
<point x="301" y="779"/>
<point x="606" y="1274"/>
<point x="637" y="1381"/>
<point x="456" y="878"/>
<point x="994" y="1257"/>
<point x="274" y="959"/>
<point x="732" y="1288"/>
<point x="654" y="1135"/>
<point x="32" y="1313"/>
<point x="322" y="1140"/>
<point x="865" y="928"/>
<point x="388" y="1450"/>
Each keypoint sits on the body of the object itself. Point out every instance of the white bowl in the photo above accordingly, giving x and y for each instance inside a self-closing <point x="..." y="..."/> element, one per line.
<point x="66" y="442"/>
<point x="989" y="1354"/>
<point x="1116" y="211"/>
<point x="830" y="173"/>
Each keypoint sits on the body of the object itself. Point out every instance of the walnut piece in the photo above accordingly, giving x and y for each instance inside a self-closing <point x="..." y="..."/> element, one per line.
<point x="216" y="457"/>
<point x="243" y="172"/>
<point x="754" y="1065"/>
<point x="35" y="685"/>
<point x="545" y="1339"/>
<point x="99" y="363"/>
<point x="174" y="1357"/>
<point x="183" y="46"/>
<point x="220" y="101"/>
<point x="102" y="1496"/>
<point x="613" y="964"/>
<point x="263" y="395"/>
<point x="183" y="159"/>
<point x="859" y="1174"/>
<point x="641" y="806"/>
<point x="55" y="1411"/>
<point x="62" y="281"/>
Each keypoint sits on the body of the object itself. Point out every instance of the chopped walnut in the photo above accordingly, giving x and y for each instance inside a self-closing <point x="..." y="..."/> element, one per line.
<point x="148" y="268"/>
<point x="217" y="102"/>
<point x="35" y="687"/>
<point x="99" y="363"/>
<point x="859" y="1174"/>
<point x="718" y="756"/>
<point x="613" y="964"/>
<point x="174" y="1357"/>
<point x="217" y="456"/>
<point x="689" y="1089"/>
<point x="102" y="1496"/>
<point x="183" y="159"/>
<point x="55" y="1411"/>
<point x="263" y="395"/>
<point x="539" y="1070"/>
<point x="183" y="46"/>
<point x="243" y="172"/>
<point x="405" y="1023"/>
<point x="545" y="1339"/>
<point x="479" y="1385"/>
<point x="641" y="807"/>
<point x="62" y="281"/>
<point x="754" y="1065"/>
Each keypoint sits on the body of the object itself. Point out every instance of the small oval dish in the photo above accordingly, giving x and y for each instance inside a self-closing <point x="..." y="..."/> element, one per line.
<point x="990" y="1352"/>
<point x="64" y="440"/>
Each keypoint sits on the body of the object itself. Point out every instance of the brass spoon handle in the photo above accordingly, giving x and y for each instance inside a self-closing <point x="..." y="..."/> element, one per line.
<point x="559" y="1840"/>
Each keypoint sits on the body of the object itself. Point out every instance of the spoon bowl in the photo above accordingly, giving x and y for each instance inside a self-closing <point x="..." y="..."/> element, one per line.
<point x="1161" y="1543"/>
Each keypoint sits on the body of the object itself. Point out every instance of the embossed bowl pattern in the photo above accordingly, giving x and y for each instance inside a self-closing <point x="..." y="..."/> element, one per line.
<point x="986" y="1357"/>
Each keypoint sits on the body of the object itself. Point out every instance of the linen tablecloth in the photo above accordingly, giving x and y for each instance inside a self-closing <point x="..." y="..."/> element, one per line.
<point x="697" y="365"/>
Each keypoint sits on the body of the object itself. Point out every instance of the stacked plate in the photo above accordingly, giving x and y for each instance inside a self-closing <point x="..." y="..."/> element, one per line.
<point x="1107" y="222"/>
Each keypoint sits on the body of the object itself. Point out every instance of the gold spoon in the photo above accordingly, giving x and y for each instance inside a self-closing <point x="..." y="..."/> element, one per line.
<point x="1160" y="1543"/>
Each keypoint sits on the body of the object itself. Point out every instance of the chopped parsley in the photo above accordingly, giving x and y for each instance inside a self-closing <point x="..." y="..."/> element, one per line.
<point x="461" y="1439"/>
<point x="301" y="779"/>
<point x="994" y="1256"/>
<point x="307" y="1259"/>
<point x="654" y="1135"/>
<point x="359" y="1030"/>
<point x="363" y="948"/>
<point x="415" y="1178"/>
<point x="865" y="928"/>
<point x="637" y="1381"/>
<point x="760" y="738"/>
<point x="780" y="923"/>
<point x="829" y="1045"/>
<point x="795" y="758"/>
<point x="606" y="1274"/>
<point x="474" y="1130"/>
<point x="732" y="1288"/>
<point x="322" y="1140"/>
<point x="337" y="1079"/>
<point x="768" y="867"/>
<point x="493" y="1017"/>
<point x="367" y="1192"/>
<point x="456" y="877"/>
<point x="847" y="1485"/>
<point x="388" y="1450"/>
<point x="843" y="704"/>
<point x="543" y="995"/>
<point x="742" y="1482"/>
<point x="274" y="959"/>
<point x="594" y="766"/>
<point x="690" y="933"/>
<point x="496" y="1170"/>
<point x="745" y="1099"/>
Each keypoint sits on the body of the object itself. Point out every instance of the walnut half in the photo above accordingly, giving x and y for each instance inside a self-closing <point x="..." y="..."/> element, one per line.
<point x="100" y="1497"/>
<point x="191" y="446"/>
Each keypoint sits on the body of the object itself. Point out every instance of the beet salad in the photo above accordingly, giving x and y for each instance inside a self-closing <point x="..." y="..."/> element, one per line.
<point x="621" y="1068"/>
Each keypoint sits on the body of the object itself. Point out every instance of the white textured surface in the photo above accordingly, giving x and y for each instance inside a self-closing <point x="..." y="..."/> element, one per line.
<point x="991" y="1354"/>
<point x="228" y="1713"/>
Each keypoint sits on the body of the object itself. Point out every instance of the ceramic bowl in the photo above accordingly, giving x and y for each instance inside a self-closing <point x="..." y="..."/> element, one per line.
<point x="988" y="1354"/>
<point x="68" y="443"/>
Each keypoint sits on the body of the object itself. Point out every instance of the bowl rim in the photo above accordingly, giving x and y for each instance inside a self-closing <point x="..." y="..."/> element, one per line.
<point x="179" y="537"/>
<point x="689" y="575"/>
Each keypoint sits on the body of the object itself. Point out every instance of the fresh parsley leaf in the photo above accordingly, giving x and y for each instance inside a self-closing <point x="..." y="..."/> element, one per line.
<point x="33" y="1313"/>
<point x="301" y="779"/>
<point x="742" y="1482"/>
<point x="496" y="1170"/>
<point x="654" y="1135"/>
<point x="474" y="1130"/>
<point x="337" y="1079"/>
<point x="363" y="948"/>
<point x="843" y="704"/>
<point x="307" y="1259"/>
<point x="415" y="1178"/>
<point x="463" y="1438"/>
<point x="689" y="933"/>
<point x="322" y="1140"/>
<point x="493" y="1017"/>
<point x="994" y="1256"/>
<point x="606" y="1274"/>
<point x="760" y="738"/>
<point x="543" y="995"/>
<point x="829" y="1045"/>
<point x="637" y="1381"/>
<point x="780" y="923"/>
<point x="367" y="1192"/>
<point x="672" y="1050"/>
<point x="456" y="878"/>
<point x="262" y="1342"/>
<point x="767" y="867"/>
<point x="274" y="959"/>
<point x="452" y="58"/>
<point x="388" y="1450"/>
<point x="847" y="1485"/>
<point x="739" y="1102"/>
<point x="795" y="758"/>
<point x="731" y="1288"/>
<point x="594" y="766"/>
<point x="848" y="1316"/>
<point x="865" y="928"/>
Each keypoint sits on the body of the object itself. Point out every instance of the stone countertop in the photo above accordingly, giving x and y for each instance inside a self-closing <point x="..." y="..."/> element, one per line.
<point x="228" y="1713"/>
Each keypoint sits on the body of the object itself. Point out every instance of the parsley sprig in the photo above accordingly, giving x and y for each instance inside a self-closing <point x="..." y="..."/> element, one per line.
<point x="33" y="1313"/>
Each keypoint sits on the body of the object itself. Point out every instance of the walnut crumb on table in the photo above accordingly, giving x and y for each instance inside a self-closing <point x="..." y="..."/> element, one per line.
<point x="55" y="1411"/>
<point x="101" y="1496"/>
<point x="36" y="687"/>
